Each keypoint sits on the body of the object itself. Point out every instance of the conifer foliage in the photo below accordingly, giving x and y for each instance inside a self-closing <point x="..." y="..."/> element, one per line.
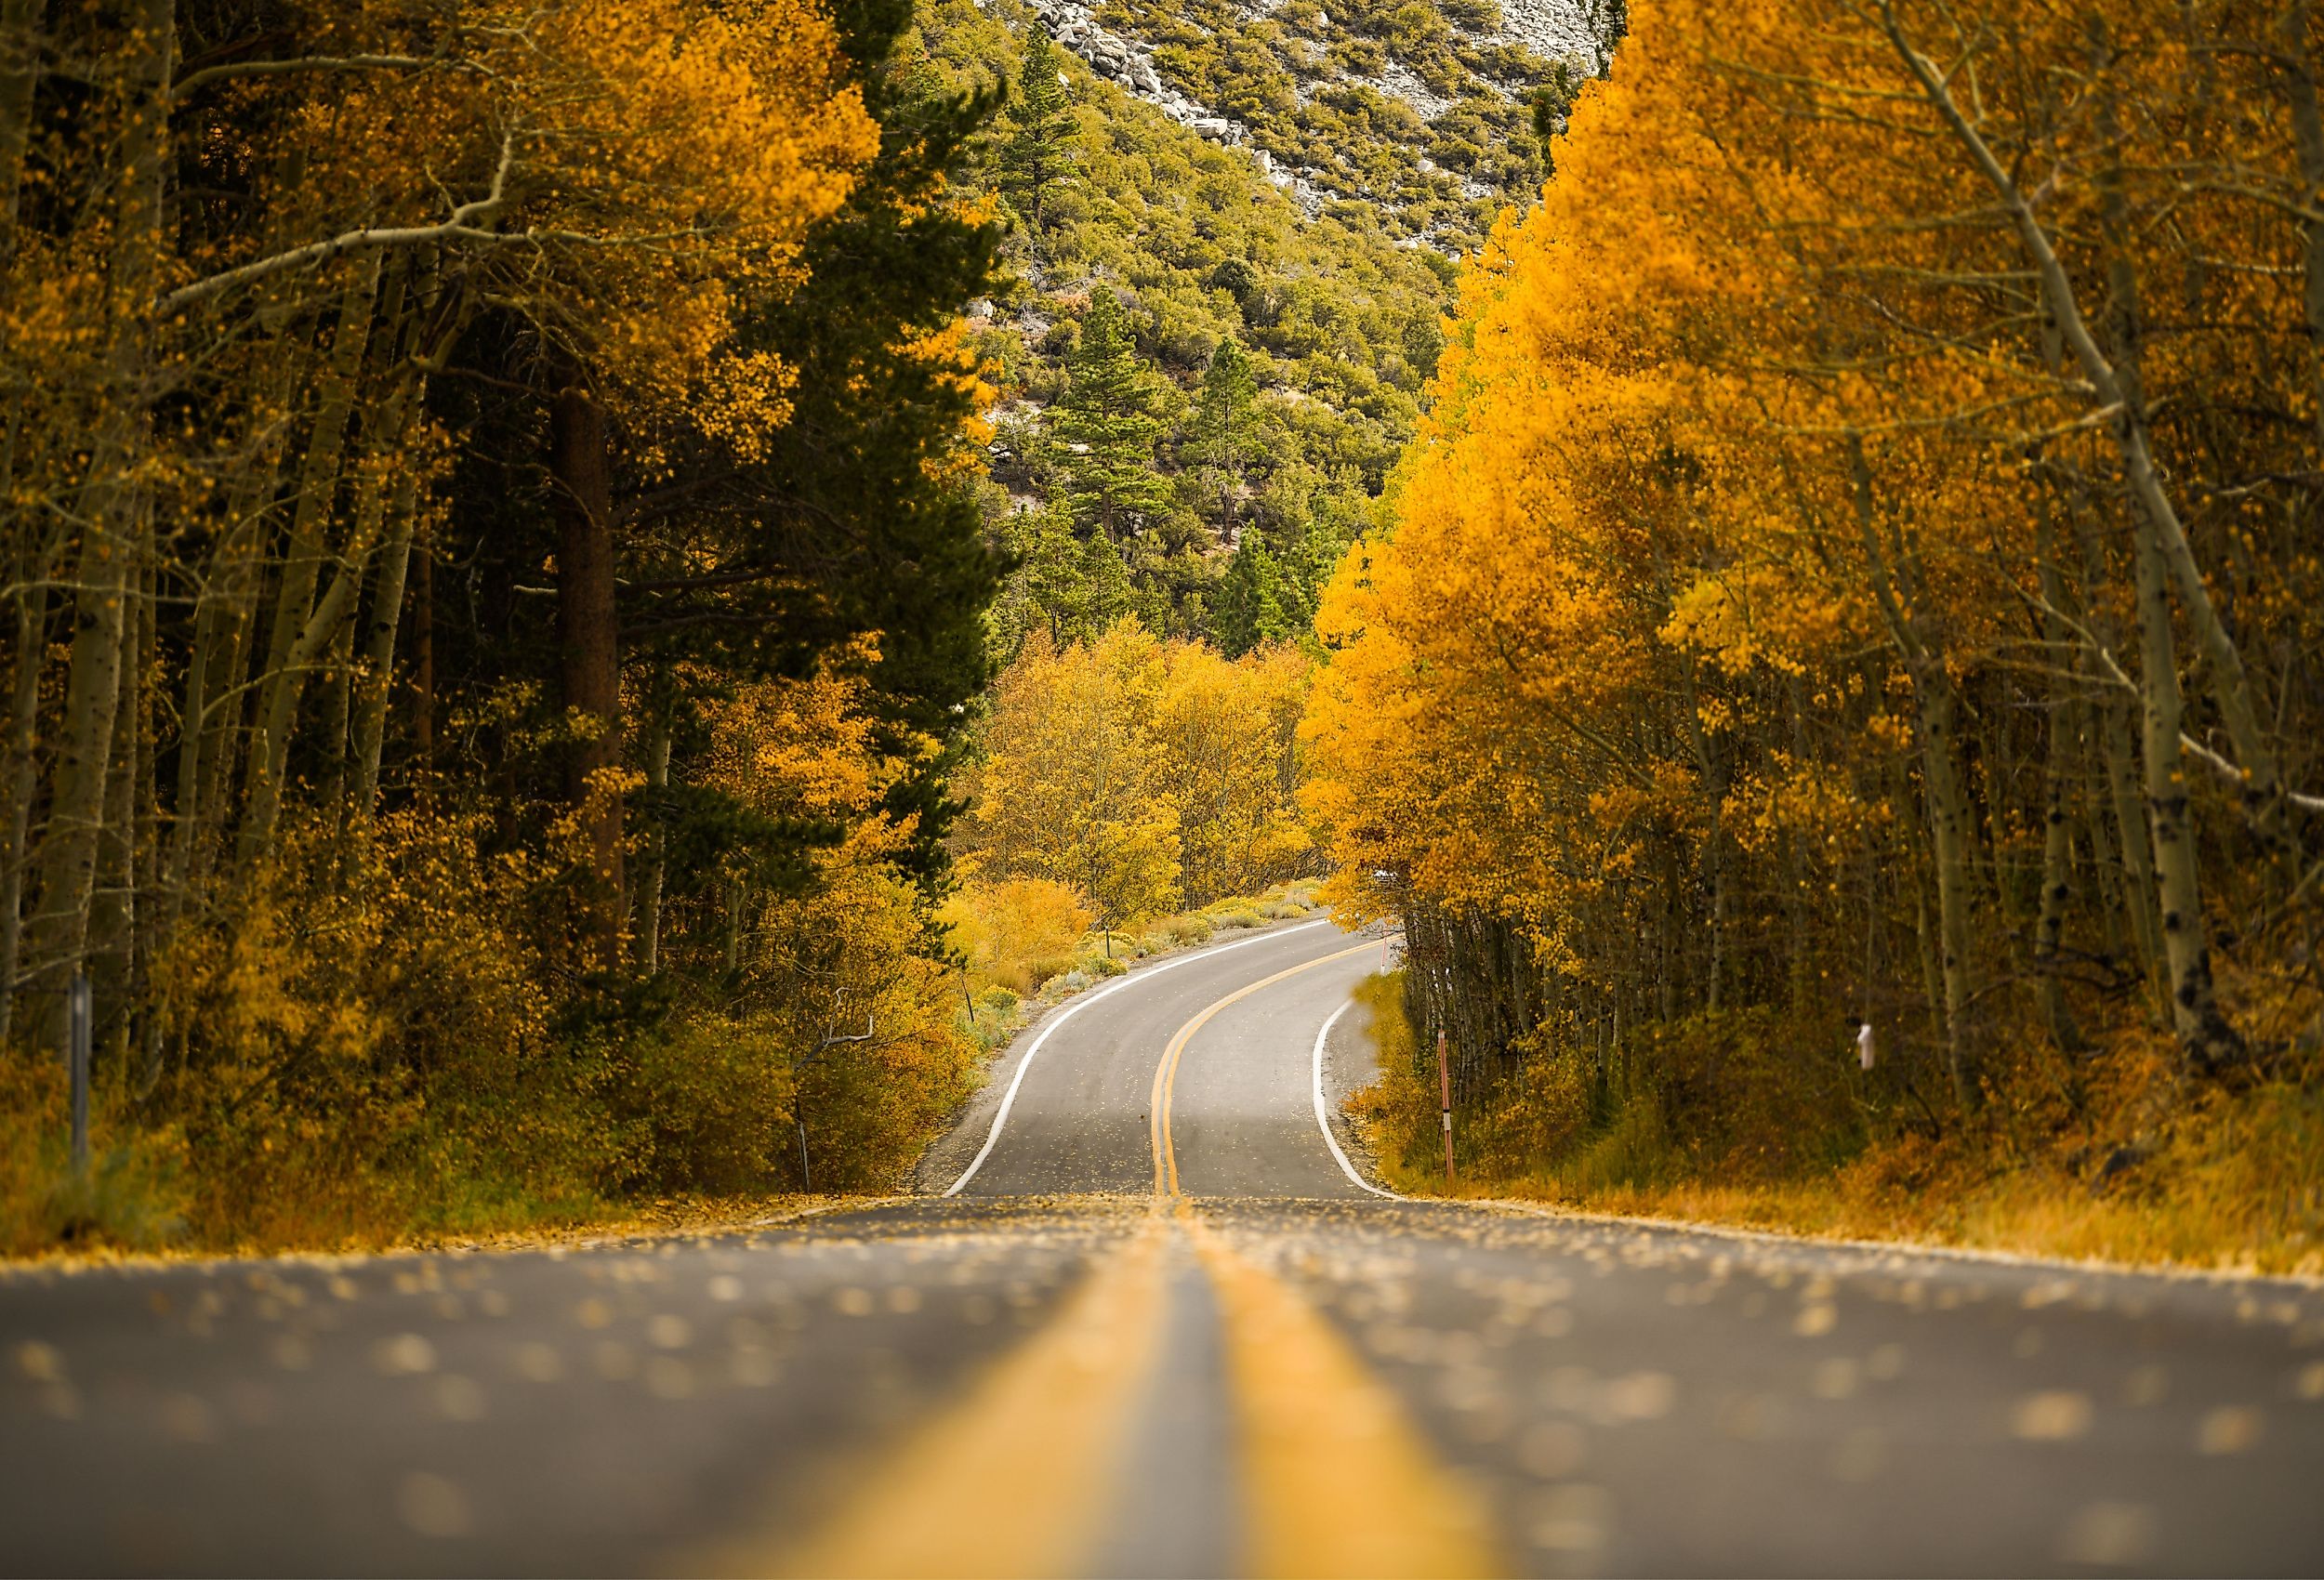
<point x="1039" y="154"/>
<point x="1107" y="424"/>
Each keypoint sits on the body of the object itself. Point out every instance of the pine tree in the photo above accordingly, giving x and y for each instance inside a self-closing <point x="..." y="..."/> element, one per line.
<point x="1108" y="423"/>
<point x="1223" y="436"/>
<point x="1040" y="153"/>
<point x="1257" y="603"/>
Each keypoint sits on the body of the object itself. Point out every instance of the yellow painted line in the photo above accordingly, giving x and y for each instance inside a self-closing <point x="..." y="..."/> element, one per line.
<point x="1016" y="1478"/>
<point x="1337" y="1480"/>
<point x="1166" y="1073"/>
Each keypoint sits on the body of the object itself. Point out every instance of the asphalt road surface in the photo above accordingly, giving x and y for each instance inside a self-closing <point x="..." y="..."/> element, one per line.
<point x="1157" y="1327"/>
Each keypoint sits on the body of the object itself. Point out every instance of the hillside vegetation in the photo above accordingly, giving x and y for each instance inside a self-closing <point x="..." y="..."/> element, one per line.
<point x="1243" y="488"/>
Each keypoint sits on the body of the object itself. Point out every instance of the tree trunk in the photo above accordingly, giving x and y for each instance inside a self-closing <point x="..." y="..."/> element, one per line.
<point x="19" y="75"/>
<point x="376" y="669"/>
<point x="424" y="669"/>
<point x="337" y="711"/>
<point x="657" y="846"/>
<point x="2058" y="842"/>
<point x="113" y="903"/>
<point x="21" y="770"/>
<point x="1951" y="830"/>
<point x="2205" y="1038"/>
<point x="1950" y="836"/>
<point x="2114" y="390"/>
<point x="302" y="567"/>
<point x="2307" y="138"/>
<point x="378" y="660"/>
<point x="114" y="518"/>
<point x="590" y="638"/>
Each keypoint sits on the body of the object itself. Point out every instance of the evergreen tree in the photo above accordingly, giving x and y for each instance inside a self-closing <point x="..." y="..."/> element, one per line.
<point x="1107" y="422"/>
<point x="1256" y="603"/>
<point x="849" y="523"/>
<point x="1040" y="153"/>
<point x="1223" y="436"/>
<point x="1066" y="587"/>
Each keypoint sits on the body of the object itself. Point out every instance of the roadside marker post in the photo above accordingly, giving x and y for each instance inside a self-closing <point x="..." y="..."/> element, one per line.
<point x="77" y="1036"/>
<point x="1443" y="1084"/>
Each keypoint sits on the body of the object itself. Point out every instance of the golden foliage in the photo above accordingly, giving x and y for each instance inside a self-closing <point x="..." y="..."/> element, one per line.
<point x="1141" y="773"/>
<point x="1759" y="635"/>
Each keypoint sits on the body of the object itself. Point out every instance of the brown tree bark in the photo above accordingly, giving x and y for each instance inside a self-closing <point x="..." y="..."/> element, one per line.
<point x="22" y="766"/>
<point x="589" y="636"/>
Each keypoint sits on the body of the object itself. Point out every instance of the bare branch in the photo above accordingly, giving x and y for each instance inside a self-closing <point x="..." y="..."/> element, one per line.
<point x="465" y="224"/>
<point x="208" y="75"/>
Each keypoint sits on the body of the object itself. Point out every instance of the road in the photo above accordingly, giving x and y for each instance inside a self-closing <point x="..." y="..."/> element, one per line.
<point x="1069" y="1364"/>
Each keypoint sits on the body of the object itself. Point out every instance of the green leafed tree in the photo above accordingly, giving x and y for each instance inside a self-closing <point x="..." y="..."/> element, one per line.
<point x="1256" y="603"/>
<point x="1107" y="424"/>
<point x="1041" y="151"/>
<point x="1223" y="439"/>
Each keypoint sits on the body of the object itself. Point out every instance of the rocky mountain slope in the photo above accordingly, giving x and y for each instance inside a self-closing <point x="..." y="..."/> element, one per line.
<point x="1297" y="178"/>
<point x="1419" y="109"/>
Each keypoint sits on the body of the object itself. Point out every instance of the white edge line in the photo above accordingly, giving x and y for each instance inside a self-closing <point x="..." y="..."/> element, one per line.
<point x="1008" y="1098"/>
<point x="1323" y="1120"/>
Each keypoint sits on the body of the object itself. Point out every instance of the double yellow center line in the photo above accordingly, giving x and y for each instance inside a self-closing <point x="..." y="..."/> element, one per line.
<point x="1018" y="1475"/>
<point x="1166" y="1073"/>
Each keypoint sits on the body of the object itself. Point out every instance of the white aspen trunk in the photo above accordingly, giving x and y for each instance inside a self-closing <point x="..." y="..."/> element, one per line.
<point x="302" y="565"/>
<point x="356" y="721"/>
<point x="657" y="845"/>
<point x="378" y="668"/>
<point x="2118" y="753"/>
<point x="237" y="578"/>
<point x="2307" y="139"/>
<point x="2113" y="391"/>
<point x="2205" y="1037"/>
<point x="112" y="905"/>
<point x="1946" y="796"/>
<point x="1949" y="840"/>
<point x="112" y="517"/>
<point x="337" y="712"/>
<point x="2057" y="838"/>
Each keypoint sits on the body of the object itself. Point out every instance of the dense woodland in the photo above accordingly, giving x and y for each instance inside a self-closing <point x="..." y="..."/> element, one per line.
<point x="1861" y="565"/>
<point x="594" y="595"/>
<point x="492" y="572"/>
<point x="503" y="574"/>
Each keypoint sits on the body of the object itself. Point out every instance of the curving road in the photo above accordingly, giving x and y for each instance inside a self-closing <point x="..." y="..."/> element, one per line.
<point x="1159" y="1327"/>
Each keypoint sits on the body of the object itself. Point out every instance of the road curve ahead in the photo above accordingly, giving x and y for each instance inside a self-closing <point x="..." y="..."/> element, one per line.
<point x="1065" y="1367"/>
